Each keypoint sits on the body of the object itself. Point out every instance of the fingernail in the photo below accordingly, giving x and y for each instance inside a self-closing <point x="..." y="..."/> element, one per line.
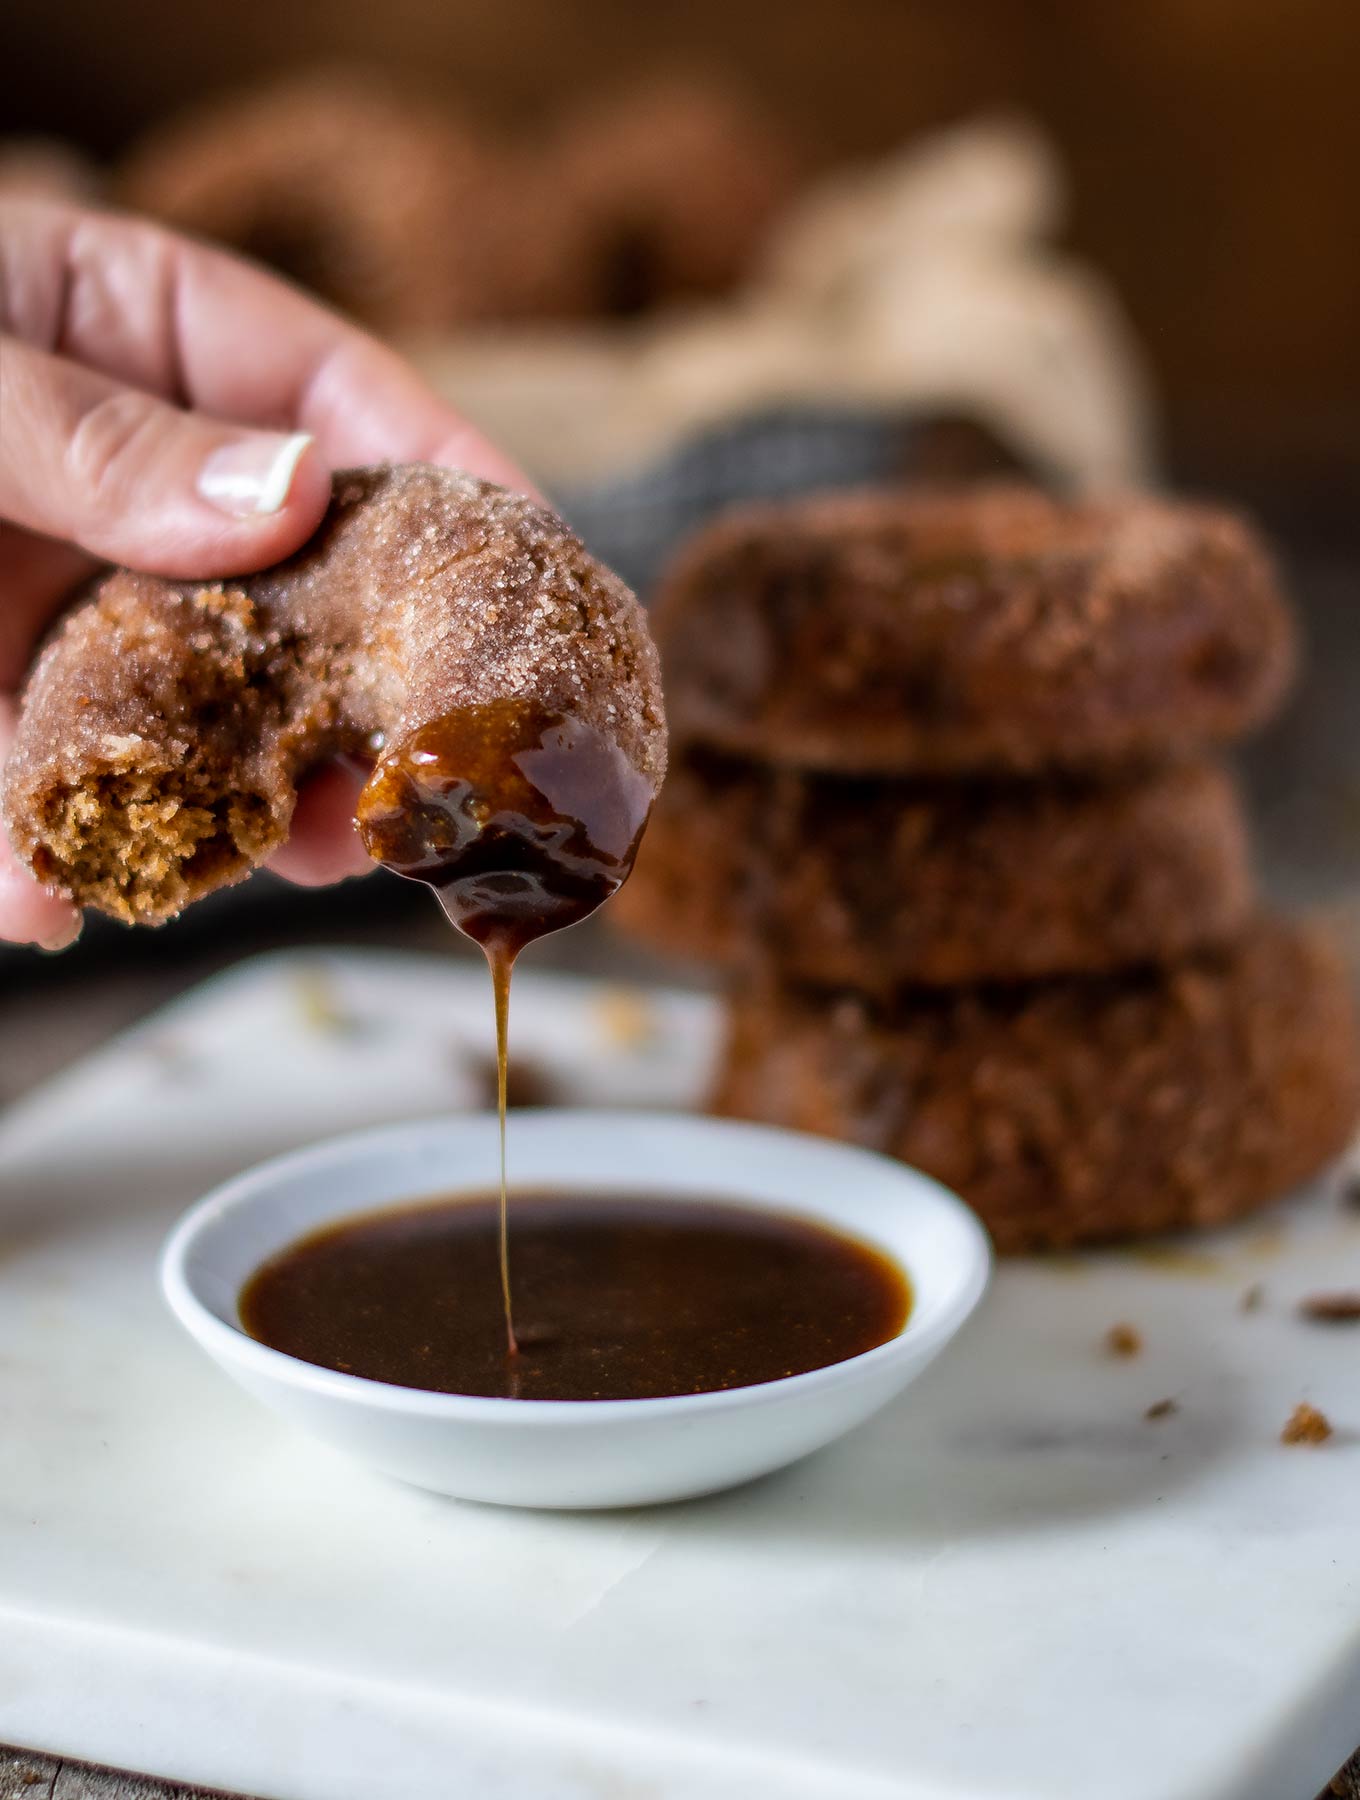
<point x="253" y="475"/>
<point x="63" y="937"/>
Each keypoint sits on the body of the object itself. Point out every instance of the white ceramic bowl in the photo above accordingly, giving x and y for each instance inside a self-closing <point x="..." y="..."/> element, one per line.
<point x="577" y="1453"/>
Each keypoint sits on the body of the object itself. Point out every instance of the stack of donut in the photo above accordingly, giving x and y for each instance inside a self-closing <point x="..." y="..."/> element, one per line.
<point x="948" y="808"/>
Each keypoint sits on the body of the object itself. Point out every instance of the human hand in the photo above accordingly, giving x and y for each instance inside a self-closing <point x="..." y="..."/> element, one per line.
<point x="166" y="406"/>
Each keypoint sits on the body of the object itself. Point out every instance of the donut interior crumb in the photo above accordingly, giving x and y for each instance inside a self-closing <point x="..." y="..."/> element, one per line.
<point x="1123" y="1340"/>
<point x="170" y="836"/>
<point x="156" y="799"/>
<point x="1306" y="1425"/>
<point x="158" y="825"/>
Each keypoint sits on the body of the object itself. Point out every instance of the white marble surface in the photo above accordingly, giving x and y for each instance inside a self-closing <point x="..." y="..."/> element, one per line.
<point x="1011" y="1586"/>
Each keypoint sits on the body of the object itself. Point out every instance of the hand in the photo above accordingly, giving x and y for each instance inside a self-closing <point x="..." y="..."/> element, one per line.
<point x="166" y="406"/>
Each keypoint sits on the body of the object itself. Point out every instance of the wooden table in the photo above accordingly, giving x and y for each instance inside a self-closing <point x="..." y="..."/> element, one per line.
<point x="24" y="1776"/>
<point x="28" y="1777"/>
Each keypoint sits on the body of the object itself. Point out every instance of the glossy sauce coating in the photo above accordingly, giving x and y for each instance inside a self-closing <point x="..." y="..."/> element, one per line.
<point x="524" y="820"/>
<point x="617" y="1297"/>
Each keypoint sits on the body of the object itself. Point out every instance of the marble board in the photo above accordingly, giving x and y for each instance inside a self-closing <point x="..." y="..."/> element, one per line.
<point x="1012" y="1585"/>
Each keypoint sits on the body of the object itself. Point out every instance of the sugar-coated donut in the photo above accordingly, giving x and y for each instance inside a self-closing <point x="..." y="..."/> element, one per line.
<point x="165" y="727"/>
<point x="375" y="198"/>
<point x="875" y="884"/>
<point x="673" y="185"/>
<point x="416" y="220"/>
<point x="1071" y="1111"/>
<point x="956" y="631"/>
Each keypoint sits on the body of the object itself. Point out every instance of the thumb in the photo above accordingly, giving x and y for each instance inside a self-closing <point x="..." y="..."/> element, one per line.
<point x="133" y="480"/>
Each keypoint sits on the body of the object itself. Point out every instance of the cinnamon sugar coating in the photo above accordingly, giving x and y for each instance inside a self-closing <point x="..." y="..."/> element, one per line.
<point x="876" y="883"/>
<point x="165" y="727"/>
<point x="1079" y="1110"/>
<point x="940" y="631"/>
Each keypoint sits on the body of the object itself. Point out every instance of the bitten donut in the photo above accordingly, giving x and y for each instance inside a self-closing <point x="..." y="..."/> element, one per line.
<point x="1072" y="1111"/>
<point x="878" y="884"/>
<point x="946" y="632"/>
<point x="165" y="727"/>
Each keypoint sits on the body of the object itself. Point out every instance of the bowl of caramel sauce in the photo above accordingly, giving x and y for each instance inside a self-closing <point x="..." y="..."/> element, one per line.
<point x="667" y="1306"/>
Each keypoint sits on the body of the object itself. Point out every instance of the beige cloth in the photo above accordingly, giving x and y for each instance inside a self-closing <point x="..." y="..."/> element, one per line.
<point x="926" y="281"/>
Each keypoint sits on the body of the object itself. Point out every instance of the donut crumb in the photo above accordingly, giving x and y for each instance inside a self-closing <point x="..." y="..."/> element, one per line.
<point x="1123" y="1340"/>
<point x="1306" y="1425"/>
<point x="1340" y="1308"/>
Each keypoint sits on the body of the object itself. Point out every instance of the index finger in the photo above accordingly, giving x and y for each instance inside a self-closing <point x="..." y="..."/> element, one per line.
<point x="215" y="334"/>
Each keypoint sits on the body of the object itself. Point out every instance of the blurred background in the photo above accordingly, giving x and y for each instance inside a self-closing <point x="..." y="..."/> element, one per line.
<point x="677" y="254"/>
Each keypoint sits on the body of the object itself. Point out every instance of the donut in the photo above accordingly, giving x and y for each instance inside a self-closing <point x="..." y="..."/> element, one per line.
<point x="374" y="198"/>
<point x="435" y="622"/>
<point x="880" y="884"/>
<point x="392" y="208"/>
<point x="920" y="632"/>
<point x="675" y="184"/>
<point x="1072" y="1111"/>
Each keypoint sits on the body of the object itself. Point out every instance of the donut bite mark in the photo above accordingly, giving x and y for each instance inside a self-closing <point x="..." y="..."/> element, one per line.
<point x="165" y="728"/>
<point x="944" y="632"/>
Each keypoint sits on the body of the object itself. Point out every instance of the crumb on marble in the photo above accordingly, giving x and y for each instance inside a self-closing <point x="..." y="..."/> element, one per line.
<point x="319" y="1004"/>
<point x="1253" y="1299"/>
<point x="1341" y="1307"/>
<point x="1162" y="1409"/>
<point x="625" y="1018"/>
<point x="527" y="1082"/>
<point x="1176" y="1259"/>
<point x="1123" y="1340"/>
<point x="1306" y="1425"/>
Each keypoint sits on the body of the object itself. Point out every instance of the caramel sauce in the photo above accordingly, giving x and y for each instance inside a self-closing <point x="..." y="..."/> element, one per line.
<point x="523" y="821"/>
<point x="620" y="1297"/>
